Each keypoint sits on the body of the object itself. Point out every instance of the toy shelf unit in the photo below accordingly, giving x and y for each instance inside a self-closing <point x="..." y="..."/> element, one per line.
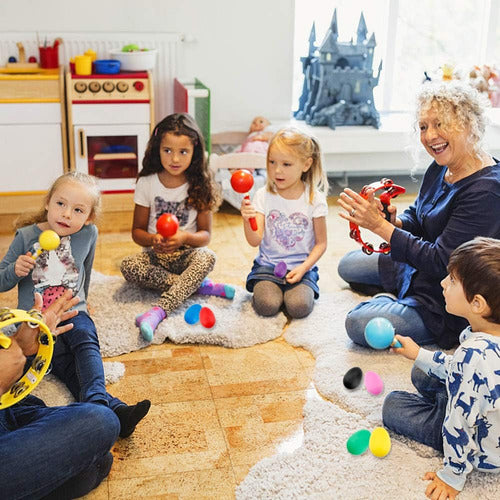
<point x="32" y="131"/>
<point x="193" y="97"/>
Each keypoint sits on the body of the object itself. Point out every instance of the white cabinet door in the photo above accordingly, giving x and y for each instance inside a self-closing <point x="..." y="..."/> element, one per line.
<point x="31" y="156"/>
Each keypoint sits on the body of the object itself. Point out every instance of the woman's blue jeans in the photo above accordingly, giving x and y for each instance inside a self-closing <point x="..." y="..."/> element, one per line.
<point x="418" y="416"/>
<point x="357" y="267"/>
<point x="43" y="449"/>
<point x="77" y="362"/>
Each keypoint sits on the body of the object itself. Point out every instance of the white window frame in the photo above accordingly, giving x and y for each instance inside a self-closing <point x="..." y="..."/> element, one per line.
<point x="490" y="17"/>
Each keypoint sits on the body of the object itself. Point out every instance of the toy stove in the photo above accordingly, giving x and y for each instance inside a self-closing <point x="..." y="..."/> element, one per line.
<point x="110" y="120"/>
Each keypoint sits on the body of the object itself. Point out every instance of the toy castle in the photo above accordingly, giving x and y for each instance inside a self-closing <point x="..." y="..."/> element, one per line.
<point x="338" y="80"/>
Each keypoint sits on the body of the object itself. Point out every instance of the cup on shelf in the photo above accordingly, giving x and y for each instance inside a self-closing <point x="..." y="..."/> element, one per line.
<point x="83" y="65"/>
<point x="49" y="57"/>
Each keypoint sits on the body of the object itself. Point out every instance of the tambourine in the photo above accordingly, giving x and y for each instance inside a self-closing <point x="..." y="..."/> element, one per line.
<point x="40" y="363"/>
<point x="391" y="190"/>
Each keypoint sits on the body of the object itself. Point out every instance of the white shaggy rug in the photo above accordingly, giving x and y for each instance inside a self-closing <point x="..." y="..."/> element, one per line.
<point x="115" y="304"/>
<point x="322" y="467"/>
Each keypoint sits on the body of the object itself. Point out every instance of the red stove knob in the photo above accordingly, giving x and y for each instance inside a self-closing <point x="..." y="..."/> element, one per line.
<point x="138" y="86"/>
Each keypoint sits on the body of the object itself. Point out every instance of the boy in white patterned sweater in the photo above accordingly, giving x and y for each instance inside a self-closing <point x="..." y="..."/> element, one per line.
<point x="456" y="410"/>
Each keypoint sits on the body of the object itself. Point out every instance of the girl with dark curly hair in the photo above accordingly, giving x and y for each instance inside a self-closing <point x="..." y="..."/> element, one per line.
<point x="175" y="179"/>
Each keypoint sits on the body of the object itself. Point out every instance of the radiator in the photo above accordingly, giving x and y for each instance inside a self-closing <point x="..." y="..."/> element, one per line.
<point x="166" y="68"/>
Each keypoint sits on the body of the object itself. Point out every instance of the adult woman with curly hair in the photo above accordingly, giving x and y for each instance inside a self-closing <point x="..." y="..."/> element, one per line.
<point x="175" y="179"/>
<point x="458" y="200"/>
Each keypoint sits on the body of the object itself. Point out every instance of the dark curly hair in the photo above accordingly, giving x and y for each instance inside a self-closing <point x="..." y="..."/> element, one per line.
<point x="202" y="191"/>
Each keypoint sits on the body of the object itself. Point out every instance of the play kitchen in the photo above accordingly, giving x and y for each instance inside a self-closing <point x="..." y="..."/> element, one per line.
<point x="95" y="118"/>
<point x="110" y="117"/>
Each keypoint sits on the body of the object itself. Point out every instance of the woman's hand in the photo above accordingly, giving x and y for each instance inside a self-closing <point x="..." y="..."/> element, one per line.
<point x="296" y="274"/>
<point x="438" y="489"/>
<point x="24" y="264"/>
<point x="12" y="361"/>
<point x="361" y="211"/>
<point x="366" y="213"/>
<point x="392" y="214"/>
<point x="410" y="347"/>
<point x="59" y="311"/>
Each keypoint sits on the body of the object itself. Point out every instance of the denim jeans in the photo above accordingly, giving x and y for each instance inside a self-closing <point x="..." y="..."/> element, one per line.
<point x="418" y="416"/>
<point x="77" y="362"/>
<point x="43" y="449"/>
<point x="356" y="267"/>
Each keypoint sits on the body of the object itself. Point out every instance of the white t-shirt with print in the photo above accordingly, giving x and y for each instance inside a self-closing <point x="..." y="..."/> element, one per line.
<point x="151" y="193"/>
<point x="289" y="232"/>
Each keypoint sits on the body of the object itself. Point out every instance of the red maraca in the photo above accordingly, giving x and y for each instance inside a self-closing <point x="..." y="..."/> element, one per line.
<point x="167" y="225"/>
<point x="242" y="182"/>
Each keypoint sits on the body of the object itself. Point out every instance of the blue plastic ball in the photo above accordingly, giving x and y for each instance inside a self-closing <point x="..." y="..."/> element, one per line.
<point x="12" y="59"/>
<point x="379" y="333"/>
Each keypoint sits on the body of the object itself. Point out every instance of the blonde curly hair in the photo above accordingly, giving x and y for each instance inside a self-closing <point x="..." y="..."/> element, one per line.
<point x="460" y="107"/>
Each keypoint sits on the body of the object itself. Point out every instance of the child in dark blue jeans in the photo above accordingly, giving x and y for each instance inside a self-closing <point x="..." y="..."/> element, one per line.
<point x="70" y="208"/>
<point x="455" y="408"/>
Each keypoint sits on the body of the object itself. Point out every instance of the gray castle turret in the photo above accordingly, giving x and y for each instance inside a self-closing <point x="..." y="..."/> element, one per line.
<point x="338" y="80"/>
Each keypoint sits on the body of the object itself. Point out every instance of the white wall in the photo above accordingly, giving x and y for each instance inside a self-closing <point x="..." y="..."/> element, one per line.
<point x="243" y="51"/>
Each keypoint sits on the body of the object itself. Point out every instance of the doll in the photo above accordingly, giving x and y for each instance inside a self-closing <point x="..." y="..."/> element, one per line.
<point x="258" y="137"/>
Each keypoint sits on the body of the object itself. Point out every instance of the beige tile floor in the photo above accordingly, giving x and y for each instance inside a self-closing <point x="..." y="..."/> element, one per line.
<point x="215" y="411"/>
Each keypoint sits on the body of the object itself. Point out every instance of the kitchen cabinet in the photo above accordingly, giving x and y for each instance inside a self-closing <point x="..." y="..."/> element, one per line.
<point x="32" y="131"/>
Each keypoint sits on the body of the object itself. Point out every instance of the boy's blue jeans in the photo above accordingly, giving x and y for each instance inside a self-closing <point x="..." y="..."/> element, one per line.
<point x="418" y="416"/>
<point x="43" y="448"/>
<point x="357" y="267"/>
<point x="77" y="362"/>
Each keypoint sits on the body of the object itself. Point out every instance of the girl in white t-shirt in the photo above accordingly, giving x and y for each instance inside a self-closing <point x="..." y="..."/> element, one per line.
<point x="291" y="226"/>
<point x="174" y="179"/>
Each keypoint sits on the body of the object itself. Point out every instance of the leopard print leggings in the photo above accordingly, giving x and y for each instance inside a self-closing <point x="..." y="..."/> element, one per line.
<point x="177" y="275"/>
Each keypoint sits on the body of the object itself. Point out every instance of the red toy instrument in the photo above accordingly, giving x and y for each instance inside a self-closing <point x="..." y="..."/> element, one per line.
<point x="391" y="190"/>
<point x="167" y="225"/>
<point x="242" y="182"/>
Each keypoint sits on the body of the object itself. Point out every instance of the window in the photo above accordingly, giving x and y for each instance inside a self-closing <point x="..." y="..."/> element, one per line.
<point x="411" y="38"/>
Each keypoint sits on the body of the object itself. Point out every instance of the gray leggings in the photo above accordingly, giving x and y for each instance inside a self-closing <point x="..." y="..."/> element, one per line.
<point x="177" y="275"/>
<point x="268" y="298"/>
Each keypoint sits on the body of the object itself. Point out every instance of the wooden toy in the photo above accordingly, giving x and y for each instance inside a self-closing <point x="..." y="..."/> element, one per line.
<point x="353" y="378"/>
<point x="40" y="362"/>
<point x="48" y="240"/>
<point x="380" y="442"/>
<point x="167" y="225"/>
<point x="379" y="334"/>
<point x="21" y="63"/>
<point x="242" y="182"/>
<point x="358" y="442"/>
